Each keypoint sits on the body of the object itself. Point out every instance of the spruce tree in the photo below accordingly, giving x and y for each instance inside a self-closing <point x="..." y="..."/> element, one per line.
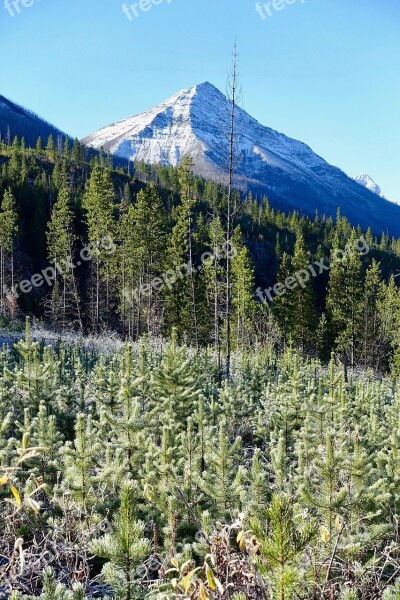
<point x="344" y="300"/>
<point x="99" y="206"/>
<point x="140" y="262"/>
<point x="243" y="304"/>
<point x="213" y="273"/>
<point x="180" y="294"/>
<point x="64" y="305"/>
<point x="39" y="148"/>
<point x="389" y="321"/>
<point x="283" y="303"/>
<point x="372" y="331"/>
<point x="51" y="151"/>
<point x="8" y="233"/>
<point x="303" y="317"/>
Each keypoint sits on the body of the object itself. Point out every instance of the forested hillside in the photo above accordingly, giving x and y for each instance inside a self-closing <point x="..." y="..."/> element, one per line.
<point x="16" y="120"/>
<point x="93" y="248"/>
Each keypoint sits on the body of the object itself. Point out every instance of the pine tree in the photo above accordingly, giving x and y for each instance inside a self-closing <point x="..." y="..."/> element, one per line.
<point x="344" y="301"/>
<point x="130" y="254"/>
<point x="190" y="465"/>
<point x="127" y="425"/>
<point x="39" y="148"/>
<point x="125" y="548"/>
<point x="323" y="339"/>
<point x="389" y="321"/>
<point x="213" y="276"/>
<point x="15" y="159"/>
<point x="243" y="304"/>
<point x="259" y="489"/>
<point x="8" y="233"/>
<point x="35" y="375"/>
<point x="372" y="341"/>
<point x="175" y="389"/>
<point x="180" y="295"/>
<point x="303" y="317"/>
<point x="140" y="256"/>
<point x="388" y="462"/>
<point x="67" y="150"/>
<point x="52" y="590"/>
<point x="76" y="154"/>
<point x="45" y="434"/>
<point x="64" y="305"/>
<point x="99" y="206"/>
<point x="281" y="546"/>
<point x="231" y="198"/>
<point x="188" y="198"/>
<point x="325" y="490"/>
<point x="80" y="458"/>
<point x="51" y="150"/>
<point x="280" y="460"/>
<point x="160" y="473"/>
<point x="222" y="483"/>
<point x="283" y="304"/>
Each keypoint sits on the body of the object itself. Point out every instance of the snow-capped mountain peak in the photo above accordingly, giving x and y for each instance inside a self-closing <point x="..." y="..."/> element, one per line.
<point x="366" y="181"/>
<point x="196" y="121"/>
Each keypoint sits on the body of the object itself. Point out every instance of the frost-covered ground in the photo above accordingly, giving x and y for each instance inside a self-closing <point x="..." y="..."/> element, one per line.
<point x="105" y="344"/>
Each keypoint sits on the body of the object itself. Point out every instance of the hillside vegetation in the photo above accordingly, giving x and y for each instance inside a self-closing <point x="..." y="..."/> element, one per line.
<point x="140" y="476"/>
<point x="95" y="249"/>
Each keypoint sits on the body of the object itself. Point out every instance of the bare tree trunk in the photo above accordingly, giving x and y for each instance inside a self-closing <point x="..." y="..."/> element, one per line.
<point x="64" y="317"/>
<point x="2" y="283"/>
<point x="192" y="284"/>
<point x="217" y="334"/>
<point x="229" y="225"/>
<point x="123" y="308"/>
<point x="97" y="294"/>
<point x="139" y="309"/>
<point x="12" y="266"/>
<point x="75" y="293"/>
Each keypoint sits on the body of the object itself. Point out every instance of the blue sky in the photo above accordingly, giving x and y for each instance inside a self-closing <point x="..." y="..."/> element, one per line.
<point x="322" y="71"/>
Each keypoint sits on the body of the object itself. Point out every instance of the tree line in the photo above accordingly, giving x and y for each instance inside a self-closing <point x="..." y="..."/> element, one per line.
<point x="57" y="201"/>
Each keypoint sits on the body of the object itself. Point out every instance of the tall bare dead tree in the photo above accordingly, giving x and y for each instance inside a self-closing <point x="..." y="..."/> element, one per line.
<point x="232" y="93"/>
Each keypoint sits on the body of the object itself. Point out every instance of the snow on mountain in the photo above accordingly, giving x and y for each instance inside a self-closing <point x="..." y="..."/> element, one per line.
<point x="366" y="181"/>
<point x="195" y="121"/>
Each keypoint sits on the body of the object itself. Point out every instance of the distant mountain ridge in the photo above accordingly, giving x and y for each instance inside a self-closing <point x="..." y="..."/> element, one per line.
<point x="195" y="121"/>
<point x="18" y="121"/>
<point x="366" y="181"/>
